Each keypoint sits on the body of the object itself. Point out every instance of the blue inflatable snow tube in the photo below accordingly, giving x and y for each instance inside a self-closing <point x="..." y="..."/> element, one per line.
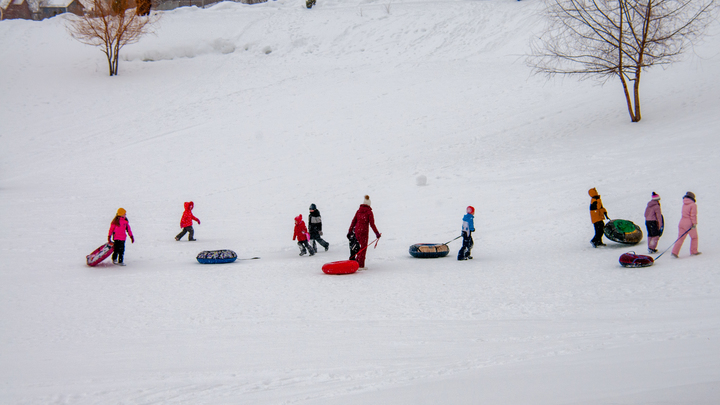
<point x="216" y="256"/>
<point x="429" y="250"/>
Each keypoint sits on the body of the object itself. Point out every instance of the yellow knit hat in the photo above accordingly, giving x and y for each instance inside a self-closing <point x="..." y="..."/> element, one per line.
<point x="121" y="212"/>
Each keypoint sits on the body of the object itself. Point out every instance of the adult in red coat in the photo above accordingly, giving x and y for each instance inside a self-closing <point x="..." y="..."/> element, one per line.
<point x="359" y="227"/>
<point x="186" y="222"/>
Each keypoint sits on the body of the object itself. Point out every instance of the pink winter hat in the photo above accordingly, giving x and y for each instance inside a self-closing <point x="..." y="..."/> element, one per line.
<point x="655" y="197"/>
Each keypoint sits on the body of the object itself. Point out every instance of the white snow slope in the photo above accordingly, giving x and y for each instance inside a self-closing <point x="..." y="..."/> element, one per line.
<point x="254" y="113"/>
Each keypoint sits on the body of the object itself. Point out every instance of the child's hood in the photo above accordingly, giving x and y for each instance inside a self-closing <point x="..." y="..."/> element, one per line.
<point x="189" y="206"/>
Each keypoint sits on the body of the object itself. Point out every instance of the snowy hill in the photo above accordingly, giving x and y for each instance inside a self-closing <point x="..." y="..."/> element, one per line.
<point x="255" y="112"/>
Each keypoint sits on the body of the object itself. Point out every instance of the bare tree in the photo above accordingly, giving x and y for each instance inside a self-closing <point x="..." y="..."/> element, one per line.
<point x="621" y="38"/>
<point x="110" y="25"/>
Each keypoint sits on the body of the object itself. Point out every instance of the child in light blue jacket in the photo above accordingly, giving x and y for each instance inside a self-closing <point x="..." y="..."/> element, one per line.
<point x="468" y="227"/>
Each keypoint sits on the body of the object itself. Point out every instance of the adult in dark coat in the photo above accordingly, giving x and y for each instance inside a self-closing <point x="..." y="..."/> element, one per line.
<point x="359" y="227"/>
<point x="315" y="228"/>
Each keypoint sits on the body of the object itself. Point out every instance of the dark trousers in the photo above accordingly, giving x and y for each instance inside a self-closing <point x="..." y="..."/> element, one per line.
<point x="316" y="238"/>
<point x="118" y="250"/>
<point x="599" y="227"/>
<point x="653" y="229"/>
<point x="305" y="247"/>
<point x="467" y="246"/>
<point x="187" y="229"/>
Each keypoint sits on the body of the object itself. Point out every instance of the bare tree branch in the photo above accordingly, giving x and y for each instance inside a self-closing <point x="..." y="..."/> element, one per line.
<point x="110" y="25"/>
<point x="617" y="38"/>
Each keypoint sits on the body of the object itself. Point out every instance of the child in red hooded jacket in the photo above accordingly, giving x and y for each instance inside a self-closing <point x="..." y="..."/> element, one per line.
<point x="186" y="222"/>
<point x="301" y="233"/>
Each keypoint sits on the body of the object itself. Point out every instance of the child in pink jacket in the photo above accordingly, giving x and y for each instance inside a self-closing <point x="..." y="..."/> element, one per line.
<point x="654" y="222"/>
<point x="688" y="222"/>
<point x="118" y="228"/>
<point x="302" y="236"/>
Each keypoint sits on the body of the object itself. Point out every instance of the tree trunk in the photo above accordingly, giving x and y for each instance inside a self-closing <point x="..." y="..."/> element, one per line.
<point x="116" y="52"/>
<point x="636" y="94"/>
<point x="628" y="99"/>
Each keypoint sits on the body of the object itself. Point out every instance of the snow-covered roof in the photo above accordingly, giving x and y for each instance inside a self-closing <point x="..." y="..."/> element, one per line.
<point x="5" y="3"/>
<point x="55" y="3"/>
<point x="34" y="5"/>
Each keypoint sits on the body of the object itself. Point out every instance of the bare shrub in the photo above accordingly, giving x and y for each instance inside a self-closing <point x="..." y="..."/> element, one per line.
<point x="110" y="25"/>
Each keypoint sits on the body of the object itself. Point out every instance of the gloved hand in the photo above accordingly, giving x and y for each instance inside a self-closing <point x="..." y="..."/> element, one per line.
<point x="320" y="233"/>
<point x="198" y="222"/>
<point x="694" y="226"/>
<point x="349" y="236"/>
<point x="109" y="240"/>
<point x="378" y="235"/>
<point x="132" y="239"/>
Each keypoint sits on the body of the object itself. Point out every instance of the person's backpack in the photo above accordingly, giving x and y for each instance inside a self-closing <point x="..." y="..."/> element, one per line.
<point x="354" y="245"/>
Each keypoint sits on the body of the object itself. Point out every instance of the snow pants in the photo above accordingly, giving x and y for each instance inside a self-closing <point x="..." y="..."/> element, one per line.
<point x="187" y="229"/>
<point x="599" y="228"/>
<point x="315" y="237"/>
<point x="693" y="234"/>
<point x="362" y="243"/>
<point x="118" y="251"/>
<point x="305" y="248"/>
<point x="467" y="246"/>
<point x="654" y="233"/>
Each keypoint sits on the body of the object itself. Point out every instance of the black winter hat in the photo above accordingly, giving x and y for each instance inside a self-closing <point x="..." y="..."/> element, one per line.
<point x="313" y="207"/>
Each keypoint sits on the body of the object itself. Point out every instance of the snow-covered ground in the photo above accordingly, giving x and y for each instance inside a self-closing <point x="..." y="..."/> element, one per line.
<point x="254" y="113"/>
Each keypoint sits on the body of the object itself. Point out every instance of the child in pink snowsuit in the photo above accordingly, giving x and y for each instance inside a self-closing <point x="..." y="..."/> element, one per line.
<point x="654" y="222"/>
<point x="118" y="228"/>
<point x="687" y="222"/>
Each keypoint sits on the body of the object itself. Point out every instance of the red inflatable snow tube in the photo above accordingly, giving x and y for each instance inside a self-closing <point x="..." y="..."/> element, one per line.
<point x="100" y="254"/>
<point x="341" y="267"/>
<point x="630" y="259"/>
